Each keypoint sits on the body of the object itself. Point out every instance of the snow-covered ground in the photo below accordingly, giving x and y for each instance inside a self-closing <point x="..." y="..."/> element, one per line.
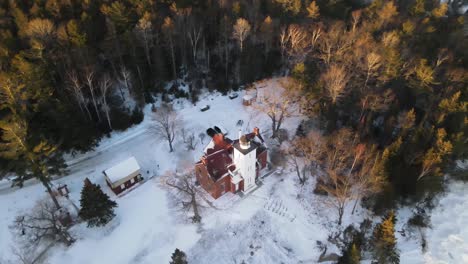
<point x="280" y="222"/>
<point x="447" y="237"/>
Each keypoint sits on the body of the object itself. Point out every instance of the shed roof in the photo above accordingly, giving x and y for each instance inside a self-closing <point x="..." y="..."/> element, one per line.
<point x="122" y="170"/>
<point x="248" y="97"/>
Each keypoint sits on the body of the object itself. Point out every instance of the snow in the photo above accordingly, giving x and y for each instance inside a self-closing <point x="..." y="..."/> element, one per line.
<point x="143" y="230"/>
<point x="122" y="170"/>
<point x="247" y="97"/>
<point x="449" y="234"/>
<point x="236" y="178"/>
<point x="447" y="237"/>
<point x="279" y="222"/>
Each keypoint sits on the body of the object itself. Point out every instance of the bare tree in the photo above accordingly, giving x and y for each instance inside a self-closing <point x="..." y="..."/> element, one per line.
<point x="168" y="29"/>
<point x="104" y="86"/>
<point x="373" y="61"/>
<point x="283" y="37"/>
<point x="186" y="192"/>
<point x="293" y="43"/>
<point x="368" y="180"/>
<point x="297" y="40"/>
<point x="188" y="136"/>
<point x="166" y="124"/>
<point x="190" y="140"/>
<point x="74" y="85"/>
<point x="334" y="43"/>
<point x="315" y="36"/>
<point x="126" y="79"/>
<point x="44" y="222"/>
<point x="340" y="187"/>
<point x="194" y="35"/>
<point x="334" y="81"/>
<point x="202" y="137"/>
<point x="355" y="17"/>
<point x="241" y="31"/>
<point x="277" y="106"/>
<point x="337" y="160"/>
<point x="89" y="77"/>
<point x="144" y="28"/>
<point x="311" y="146"/>
<point x="298" y="163"/>
<point x="42" y="30"/>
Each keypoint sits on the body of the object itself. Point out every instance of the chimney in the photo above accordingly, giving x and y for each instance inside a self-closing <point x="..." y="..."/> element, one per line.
<point x="257" y="133"/>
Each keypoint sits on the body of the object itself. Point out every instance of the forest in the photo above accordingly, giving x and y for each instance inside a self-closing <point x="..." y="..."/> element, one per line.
<point x="391" y="75"/>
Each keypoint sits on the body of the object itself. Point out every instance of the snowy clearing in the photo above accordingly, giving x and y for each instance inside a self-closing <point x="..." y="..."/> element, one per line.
<point x="280" y="222"/>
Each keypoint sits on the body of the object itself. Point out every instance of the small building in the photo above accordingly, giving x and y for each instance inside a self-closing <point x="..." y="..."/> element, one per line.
<point x="231" y="165"/>
<point x="63" y="190"/>
<point x="124" y="175"/>
<point x="247" y="100"/>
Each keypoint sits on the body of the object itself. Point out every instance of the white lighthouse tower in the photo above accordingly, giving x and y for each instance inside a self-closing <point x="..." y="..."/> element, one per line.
<point x="245" y="158"/>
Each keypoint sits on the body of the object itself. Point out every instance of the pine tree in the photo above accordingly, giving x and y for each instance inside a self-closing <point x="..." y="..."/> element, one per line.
<point x="313" y="10"/>
<point x="351" y="254"/>
<point x="96" y="207"/>
<point x="354" y="254"/>
<point x="178" y="257"/>
<point x="384" y="241"/>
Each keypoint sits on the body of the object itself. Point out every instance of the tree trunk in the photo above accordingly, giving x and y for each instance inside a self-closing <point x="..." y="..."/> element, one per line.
<point x="147" y="53"/>
<point x="95" y="104"/>
<point x="273" y="128"/>
<point x="340" y="214"/>
<point x="51" y="193"/>
<point x="170" y="145"/>
<point x="355" y="203"/>
<point x="174" y="72"/>
<point x="108" y="117"/>
<point x="196" y="215"/>
<point x="87" y="111"/>
<point x="352" y="166"/>
<point x="298" y="172"/>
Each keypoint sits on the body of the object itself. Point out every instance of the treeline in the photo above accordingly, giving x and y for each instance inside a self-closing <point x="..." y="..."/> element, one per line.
<point x="73" y="70"/>
<point x="393" y="75"/>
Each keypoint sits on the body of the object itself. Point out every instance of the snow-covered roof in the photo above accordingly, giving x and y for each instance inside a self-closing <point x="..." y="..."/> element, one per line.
<point x="248" y="97"/>
<point x="235" y="177"/>
<point x="209" y="146"/>
<point x="122" y="170"/>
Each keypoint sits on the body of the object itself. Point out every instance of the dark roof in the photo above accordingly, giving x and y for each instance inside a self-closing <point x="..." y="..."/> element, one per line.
<point x="218" y="163"/>
<point x="253" y="145"/>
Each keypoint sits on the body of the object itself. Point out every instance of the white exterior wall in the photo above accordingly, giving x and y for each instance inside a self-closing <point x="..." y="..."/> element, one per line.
<point x="246" y="166"/>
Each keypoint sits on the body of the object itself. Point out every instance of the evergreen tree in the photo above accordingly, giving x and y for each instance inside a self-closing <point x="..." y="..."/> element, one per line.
<point x="351" y="254"/>
<point x="178" y="257"/>
<point x="384" y="241"/>
<point x="96" y="207"/>
<point x="354" y="254"/>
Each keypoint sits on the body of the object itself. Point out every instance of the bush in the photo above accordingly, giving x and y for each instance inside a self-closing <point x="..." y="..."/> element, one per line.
<point x="137" y="116"/>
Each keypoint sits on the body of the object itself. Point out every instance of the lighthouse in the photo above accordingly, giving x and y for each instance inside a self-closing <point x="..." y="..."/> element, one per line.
<point x="245" y="158"/>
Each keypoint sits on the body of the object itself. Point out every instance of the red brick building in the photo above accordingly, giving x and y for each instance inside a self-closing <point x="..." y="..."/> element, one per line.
<point x="231" y="165"/>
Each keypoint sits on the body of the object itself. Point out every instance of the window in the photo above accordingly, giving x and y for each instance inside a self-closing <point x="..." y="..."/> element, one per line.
<point x="132" y="181"/>
<point x="122" y="186"/>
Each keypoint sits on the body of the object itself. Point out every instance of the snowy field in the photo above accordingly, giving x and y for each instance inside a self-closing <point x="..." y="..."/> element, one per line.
<point x="280" y="222"/>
